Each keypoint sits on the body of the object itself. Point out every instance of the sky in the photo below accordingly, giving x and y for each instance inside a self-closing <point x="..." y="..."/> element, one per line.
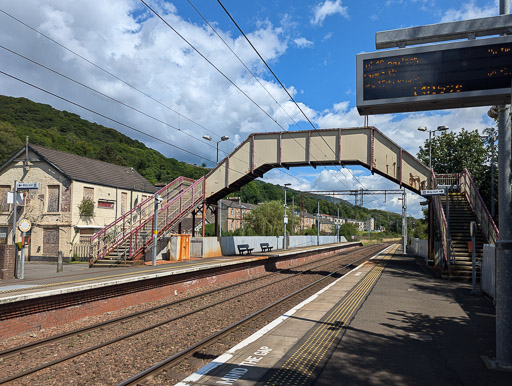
<point x="153" y="81"/>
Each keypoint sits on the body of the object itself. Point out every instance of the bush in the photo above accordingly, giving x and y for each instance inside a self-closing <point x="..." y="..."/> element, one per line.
<point x="86" y="207"/>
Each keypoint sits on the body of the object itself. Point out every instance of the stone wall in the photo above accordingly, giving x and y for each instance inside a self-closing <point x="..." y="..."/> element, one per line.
<point x="7" y="263"/>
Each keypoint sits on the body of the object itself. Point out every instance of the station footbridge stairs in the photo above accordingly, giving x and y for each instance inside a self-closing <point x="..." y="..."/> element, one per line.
<point x="126" y="239"/>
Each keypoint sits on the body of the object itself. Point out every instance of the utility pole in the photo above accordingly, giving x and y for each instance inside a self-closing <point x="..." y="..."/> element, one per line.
<point x="155" y="230"/>
<point x="504" y="244"/>
<point x="404" y="222"/>
<point x="285" y="218"/>
<point x="318" y="223"/>
<point x="338" y="227"/>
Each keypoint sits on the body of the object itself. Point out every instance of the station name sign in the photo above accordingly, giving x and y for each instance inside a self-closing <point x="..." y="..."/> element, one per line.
<point x="452" y="75"/>
<point x="433" y="192"/>
<point x="28" y="185"/>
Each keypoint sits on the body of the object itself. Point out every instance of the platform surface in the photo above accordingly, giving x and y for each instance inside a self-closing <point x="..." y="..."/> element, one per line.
<point x="42" y="280"/>
<point x="389" y="322"/>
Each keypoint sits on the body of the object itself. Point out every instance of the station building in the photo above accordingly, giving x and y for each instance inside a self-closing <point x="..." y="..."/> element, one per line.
<point x="76" y="196"/>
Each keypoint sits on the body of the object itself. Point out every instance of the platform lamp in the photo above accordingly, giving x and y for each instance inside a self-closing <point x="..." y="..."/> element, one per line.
<point x="222" y="139"/>
<point x="424" y="128"/>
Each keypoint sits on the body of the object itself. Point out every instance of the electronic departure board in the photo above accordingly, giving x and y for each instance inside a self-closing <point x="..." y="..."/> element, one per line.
<point x="434" y="77"/>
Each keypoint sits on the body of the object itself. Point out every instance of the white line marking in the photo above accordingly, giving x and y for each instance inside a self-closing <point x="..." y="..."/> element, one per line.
<point x="224" y="358"/>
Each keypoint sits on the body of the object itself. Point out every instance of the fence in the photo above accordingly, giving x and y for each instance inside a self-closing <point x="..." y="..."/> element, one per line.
<point x="229" y="243"/>
<point x="420" y="248"/>
<point x="488" y="278"/>
<point x="81" y="250"/>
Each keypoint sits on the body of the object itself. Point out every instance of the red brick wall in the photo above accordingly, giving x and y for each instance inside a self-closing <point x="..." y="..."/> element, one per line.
<point x="7" y="255"/>
<point x="35" y="314"/>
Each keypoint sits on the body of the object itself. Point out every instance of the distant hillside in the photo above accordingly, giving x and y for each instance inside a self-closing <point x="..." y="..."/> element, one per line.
<point x="65" y="131"/>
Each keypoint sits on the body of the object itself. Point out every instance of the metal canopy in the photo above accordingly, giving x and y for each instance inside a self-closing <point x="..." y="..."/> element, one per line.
<point x="465" y="29"/>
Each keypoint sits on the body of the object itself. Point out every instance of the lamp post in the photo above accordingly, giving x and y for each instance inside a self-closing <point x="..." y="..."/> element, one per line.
<point x="222" y="139"/>
<point x="424" y="128"/>
<point x="285" y="219"/>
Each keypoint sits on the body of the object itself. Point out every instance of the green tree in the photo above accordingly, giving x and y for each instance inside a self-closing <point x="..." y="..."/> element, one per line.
<point x="348" y="230"/>
<point x="452" y="153"/>
<point x="267" y="219"/>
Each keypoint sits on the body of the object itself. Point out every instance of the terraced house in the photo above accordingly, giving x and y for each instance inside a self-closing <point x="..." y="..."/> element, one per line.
<point x="75" y="197"/>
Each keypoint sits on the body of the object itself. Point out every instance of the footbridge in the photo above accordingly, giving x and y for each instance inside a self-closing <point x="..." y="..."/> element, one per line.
<point x="130" y="236"/>
<point x="365" y="146"/>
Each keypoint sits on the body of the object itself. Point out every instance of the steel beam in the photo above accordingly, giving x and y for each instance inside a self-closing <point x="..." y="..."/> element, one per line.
<point x="465" y="29"/>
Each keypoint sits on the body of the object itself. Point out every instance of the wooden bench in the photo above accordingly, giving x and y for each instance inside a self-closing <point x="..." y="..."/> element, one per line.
<point x="265" y="247"/>
<point x="244" y="248"/>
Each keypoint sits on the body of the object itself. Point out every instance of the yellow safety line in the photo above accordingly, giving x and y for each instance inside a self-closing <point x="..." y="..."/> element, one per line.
<point x="303" y="363"/>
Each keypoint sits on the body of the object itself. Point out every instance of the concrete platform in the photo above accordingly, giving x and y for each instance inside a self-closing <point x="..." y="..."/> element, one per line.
<point x="390" y="321"/>
<point x="41" y="279"/>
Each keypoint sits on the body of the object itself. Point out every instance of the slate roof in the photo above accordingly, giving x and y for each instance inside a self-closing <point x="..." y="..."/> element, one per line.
<point x="89" y="170"/>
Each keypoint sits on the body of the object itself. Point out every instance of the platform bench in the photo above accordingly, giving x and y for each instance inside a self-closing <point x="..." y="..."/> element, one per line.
<point x="265" y="247"/>
<point x="244" y="248"/>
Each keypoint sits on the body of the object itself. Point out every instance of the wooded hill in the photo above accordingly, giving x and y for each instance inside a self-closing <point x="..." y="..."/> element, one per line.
<point x="61" y="130"/>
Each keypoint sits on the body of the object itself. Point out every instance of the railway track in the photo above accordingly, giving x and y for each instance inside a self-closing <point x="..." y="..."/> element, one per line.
<point x="200" y="349"/>
<point x="64" y="344"/>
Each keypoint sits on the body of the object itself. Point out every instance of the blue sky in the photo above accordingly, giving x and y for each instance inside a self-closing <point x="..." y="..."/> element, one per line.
<point x="311" y="46"/>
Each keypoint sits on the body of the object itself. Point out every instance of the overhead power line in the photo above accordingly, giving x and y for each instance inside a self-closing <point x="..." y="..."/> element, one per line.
<point x="279" y="81"/>
<point x="103" y="115"/>
<point x="115" y="77"/>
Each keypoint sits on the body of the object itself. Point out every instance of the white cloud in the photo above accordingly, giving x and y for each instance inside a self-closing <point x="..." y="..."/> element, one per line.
<point x="470" y="10"/>
<point x="328" y="8"/>
<point x="122" y="37"/>
<point x="303" y="43"/>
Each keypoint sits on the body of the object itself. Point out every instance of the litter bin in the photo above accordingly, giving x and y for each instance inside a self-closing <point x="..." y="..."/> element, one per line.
<point x="470" y="246"/>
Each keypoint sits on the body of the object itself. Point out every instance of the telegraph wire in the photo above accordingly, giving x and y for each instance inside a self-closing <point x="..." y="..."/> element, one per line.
<point x="121" y="80"/>
<point x="209" y="62"/>
<point x="103" y="116"/>
<point x="215" y="67"/>
<point x="279" y="81"/>
<point x="107" y="72"/>
<point x="105" y="95"/>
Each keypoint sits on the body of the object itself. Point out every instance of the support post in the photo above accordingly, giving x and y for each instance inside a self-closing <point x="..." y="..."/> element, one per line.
<point x="60" y="262"/>
<point x="504" y="244"/>
<point x="155" y="232"/>
<point x="194" y="223"/>
<point x="204" y="218"/>
<point x="318" y="223"/>
<point x="404" y="222"/>
<point x="431" y="252"/>
<point x="472" y="225"/>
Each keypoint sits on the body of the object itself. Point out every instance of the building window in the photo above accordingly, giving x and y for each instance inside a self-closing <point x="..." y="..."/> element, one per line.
<point x="4" y="189"/>
<point x="86" y="234"/>
<point x="52" y="204"/>
<point x="51" y="241"/>
<point x="89" y="193"/>
<point x="4" y="232"/>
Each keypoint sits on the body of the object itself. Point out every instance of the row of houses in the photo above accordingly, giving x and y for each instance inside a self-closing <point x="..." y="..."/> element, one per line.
<point x="233" y="212"/>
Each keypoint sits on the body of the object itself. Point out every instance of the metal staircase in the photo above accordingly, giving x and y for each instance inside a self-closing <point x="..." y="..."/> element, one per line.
<point x="124" y="241"/>
<point x="465" y="204"/>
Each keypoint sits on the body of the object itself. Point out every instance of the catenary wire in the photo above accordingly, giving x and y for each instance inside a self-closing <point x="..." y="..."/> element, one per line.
<point x="220" y="72"/>
<point x="124" y="82"/>
<point x="277" y="79"/>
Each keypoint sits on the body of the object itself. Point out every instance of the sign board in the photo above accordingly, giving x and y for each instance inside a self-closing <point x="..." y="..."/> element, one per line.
<point x="28" y="185"/>
<point x="24" y="225"/>
<point x="19" y="198"/>
<point x="442" y="76"/>
<point x="433" y="192"/>
<point x="286" y="220"/>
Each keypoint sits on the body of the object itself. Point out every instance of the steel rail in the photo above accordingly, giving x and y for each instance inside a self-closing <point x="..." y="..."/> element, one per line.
<point x="153" y="326"/>
<point x="55" y="338"/>
<point x="184" y="354"/>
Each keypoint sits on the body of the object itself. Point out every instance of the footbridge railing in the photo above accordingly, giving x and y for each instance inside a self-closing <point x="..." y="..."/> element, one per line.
<point x="444" y="231"/>
<point x="487" y="224"/>
<point x="177" y="195"/>
<point x="365" y="146"/>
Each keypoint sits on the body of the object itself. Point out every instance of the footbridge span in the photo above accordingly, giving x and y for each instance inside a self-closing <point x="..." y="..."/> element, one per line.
<point x="365" y="146"/>
<point x="130" y="236"/>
